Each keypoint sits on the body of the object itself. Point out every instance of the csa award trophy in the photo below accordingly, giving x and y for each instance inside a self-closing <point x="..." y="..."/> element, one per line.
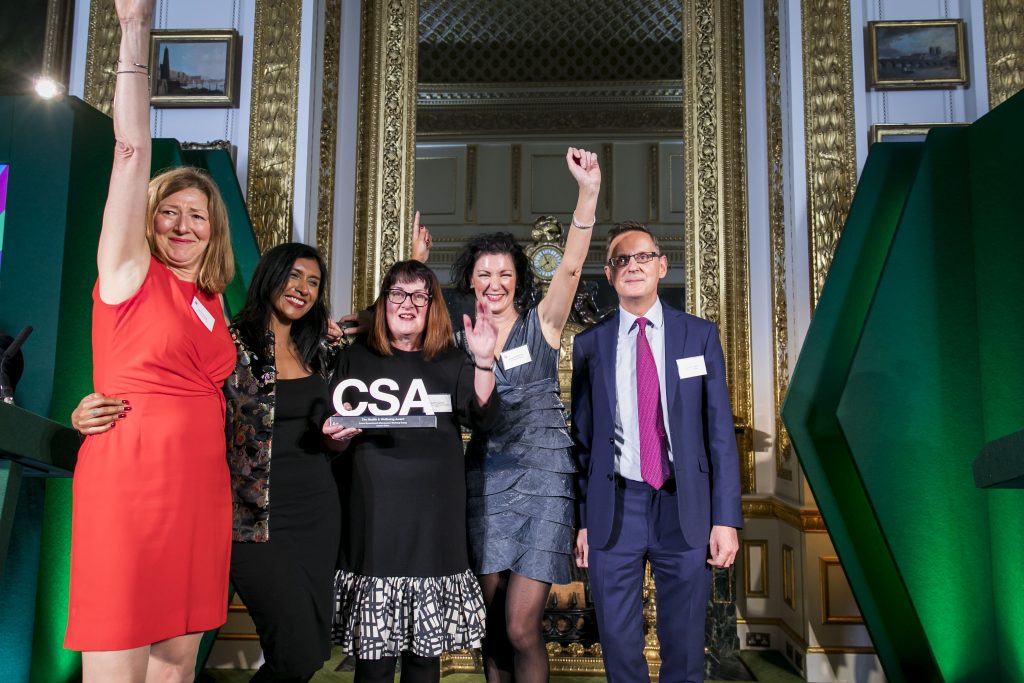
<point x="386" y="411"/>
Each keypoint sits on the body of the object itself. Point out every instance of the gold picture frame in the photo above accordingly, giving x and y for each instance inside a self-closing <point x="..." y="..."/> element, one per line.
<point x="904" y="132"/>
<point x="194" y="68"/>
<point x="916" y="54"/>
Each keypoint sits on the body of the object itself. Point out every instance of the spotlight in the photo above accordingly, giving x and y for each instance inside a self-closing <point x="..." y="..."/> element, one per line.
<point x="47" y="88"/>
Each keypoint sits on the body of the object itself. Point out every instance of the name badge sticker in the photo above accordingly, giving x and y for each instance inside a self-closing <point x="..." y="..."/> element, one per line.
<point x="691" y="367"/>
<point x="204" y="315"/>
<point x="513" y="358"/>
<point x="441" y="403"/>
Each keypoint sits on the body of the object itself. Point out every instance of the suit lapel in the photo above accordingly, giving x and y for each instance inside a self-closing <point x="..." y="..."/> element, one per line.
<point x="608" y="344"/>
<point x="675" y="342"/>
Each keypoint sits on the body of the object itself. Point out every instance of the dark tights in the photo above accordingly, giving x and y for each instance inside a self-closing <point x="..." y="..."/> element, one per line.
<point x="514" y="648"/>
<point x="415" y="669"/>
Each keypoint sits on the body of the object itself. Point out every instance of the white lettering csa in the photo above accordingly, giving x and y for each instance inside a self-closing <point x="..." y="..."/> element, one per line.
<point x="384" y="392"/>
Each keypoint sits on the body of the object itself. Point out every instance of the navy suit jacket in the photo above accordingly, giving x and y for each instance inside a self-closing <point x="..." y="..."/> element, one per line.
<point x="700" y="420"/>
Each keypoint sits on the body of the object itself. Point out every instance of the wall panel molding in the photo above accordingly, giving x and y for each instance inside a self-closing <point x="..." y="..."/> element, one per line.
<point x="329" y="128"/>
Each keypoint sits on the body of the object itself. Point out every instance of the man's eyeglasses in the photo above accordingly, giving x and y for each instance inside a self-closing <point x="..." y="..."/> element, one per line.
<point x="623" y="261"/>
<point x="398" y="297"/>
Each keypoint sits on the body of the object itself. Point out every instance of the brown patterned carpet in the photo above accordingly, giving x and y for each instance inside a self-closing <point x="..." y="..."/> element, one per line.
<point x="765" y="667"/>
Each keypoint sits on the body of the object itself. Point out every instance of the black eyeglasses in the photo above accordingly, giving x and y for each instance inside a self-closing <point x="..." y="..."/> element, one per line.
<point x="398" y="297"/>
<point x="642" y="257"/>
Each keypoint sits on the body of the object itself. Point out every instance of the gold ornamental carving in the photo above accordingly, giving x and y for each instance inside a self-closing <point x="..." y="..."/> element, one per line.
<point x="828" y="129"/>
<point x="387" y="136"/>
<point x="270" y="190"/>
<point x="328" y="128"/>
<point x="776" y="222"/>
<point x="101" y="55"/>
<point x="1004" y="49"/>
<point x="56" y="41"/>
<point x="717" y="278"/>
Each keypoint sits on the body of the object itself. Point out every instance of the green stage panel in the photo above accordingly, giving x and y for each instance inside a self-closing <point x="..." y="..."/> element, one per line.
<point x="910" y="366"/>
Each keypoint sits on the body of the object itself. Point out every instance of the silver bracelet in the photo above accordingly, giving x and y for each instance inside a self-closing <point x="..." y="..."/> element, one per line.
<point x="581" y="226"/>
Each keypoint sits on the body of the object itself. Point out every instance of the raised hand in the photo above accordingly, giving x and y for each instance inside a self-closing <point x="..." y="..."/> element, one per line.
<point x="585" y="168"/>
<point x="481" y="337"/>
<point x="141" y="10"/>
<point x="420" y="240"/>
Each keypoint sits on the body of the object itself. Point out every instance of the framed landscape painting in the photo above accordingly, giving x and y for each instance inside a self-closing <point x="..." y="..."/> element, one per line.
<point x="916" y="54"/>
<point x="194" y="68"/>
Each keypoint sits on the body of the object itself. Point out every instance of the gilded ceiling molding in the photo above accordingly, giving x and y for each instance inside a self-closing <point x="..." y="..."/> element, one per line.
<point x="777" y="225"/>
<point x="101" y="55"/>
<point x="1004" y="49"/>
<point x="717" y="278"/>
<point x="328" y="128"/>
<point x="387" y="143"/>
<point x="828" y="129"/>
<point x="270" y="191"/>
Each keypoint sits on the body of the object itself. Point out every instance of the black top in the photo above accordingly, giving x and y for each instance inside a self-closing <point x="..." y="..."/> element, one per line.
<point x="405" y="489"/>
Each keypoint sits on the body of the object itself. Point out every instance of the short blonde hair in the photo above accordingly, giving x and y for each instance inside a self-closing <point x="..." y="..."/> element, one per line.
<point x="217" y="267"/>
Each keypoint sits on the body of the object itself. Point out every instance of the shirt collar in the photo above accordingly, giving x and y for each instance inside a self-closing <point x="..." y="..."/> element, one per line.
<point x="655" y="316"/>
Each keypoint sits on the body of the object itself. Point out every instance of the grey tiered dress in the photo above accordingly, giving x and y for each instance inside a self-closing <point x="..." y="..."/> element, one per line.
<point x="520" y="473"/>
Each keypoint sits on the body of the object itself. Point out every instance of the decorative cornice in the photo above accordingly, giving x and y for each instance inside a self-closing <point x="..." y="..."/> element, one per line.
<point x="445" y="122"/>
<point x="101" y="55"/>
<point x="828" y="129"/>
<point x="387" y="131"/>
<point x="776" y="222"/>
<point x="1004" y="49"/>
<point x="808" y="520"/>
<point x="572" y="94"/>
<point x="328" y="128"/>
<point x="270" y="191"/>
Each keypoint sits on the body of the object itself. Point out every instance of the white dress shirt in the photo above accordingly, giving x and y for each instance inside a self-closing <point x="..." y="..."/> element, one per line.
<point x="627" y="427"/>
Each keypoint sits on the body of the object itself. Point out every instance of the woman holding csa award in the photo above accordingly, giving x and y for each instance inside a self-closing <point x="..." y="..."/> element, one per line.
<point x="405" y="588"/>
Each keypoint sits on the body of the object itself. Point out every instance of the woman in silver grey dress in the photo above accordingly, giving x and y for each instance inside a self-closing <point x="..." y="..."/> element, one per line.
<point x="520" y="473"/>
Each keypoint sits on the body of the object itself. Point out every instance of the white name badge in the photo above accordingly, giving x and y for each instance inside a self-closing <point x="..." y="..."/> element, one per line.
<point x="441" y="403"/>
<point x="204" y="315"/>
<point x="513" y="358"/>
<point x="691" y="367"/>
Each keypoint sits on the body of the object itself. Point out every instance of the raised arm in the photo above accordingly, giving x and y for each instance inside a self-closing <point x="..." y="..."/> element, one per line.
<point x="554" y="309"/>
<point x="123" y="255"/>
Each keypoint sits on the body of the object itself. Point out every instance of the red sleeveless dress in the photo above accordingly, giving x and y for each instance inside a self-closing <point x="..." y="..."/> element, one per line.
<point x="151" y="512"/>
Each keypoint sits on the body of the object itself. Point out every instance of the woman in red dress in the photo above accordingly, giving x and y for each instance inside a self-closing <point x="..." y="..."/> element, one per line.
<point x="151" y="518"/>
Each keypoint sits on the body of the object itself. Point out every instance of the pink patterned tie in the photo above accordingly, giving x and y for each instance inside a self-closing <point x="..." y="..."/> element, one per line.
<point x="653" y="465"/>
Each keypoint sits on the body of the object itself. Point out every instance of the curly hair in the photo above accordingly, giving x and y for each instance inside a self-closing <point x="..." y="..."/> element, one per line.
<point x="268" y="281"/>
<point x="495" y="243"/>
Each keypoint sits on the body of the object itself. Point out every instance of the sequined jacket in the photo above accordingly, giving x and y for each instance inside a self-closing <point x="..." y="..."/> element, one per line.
<point x="250" y="395"/>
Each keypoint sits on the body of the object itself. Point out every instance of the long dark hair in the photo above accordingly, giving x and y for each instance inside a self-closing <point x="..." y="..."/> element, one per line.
<point x="495" y="243"/>
<point x="268" y="281"/>
<point x="437" y="336"/>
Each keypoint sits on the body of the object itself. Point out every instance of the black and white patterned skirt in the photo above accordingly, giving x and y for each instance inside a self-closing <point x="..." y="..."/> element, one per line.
<point x="379" y="617"/>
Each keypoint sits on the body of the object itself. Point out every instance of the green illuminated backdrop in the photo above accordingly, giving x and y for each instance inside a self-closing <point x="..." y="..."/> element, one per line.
<point x="911" y="364"/>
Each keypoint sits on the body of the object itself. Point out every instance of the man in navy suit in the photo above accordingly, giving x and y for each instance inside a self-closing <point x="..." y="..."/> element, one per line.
<point x="658" y="468"/>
